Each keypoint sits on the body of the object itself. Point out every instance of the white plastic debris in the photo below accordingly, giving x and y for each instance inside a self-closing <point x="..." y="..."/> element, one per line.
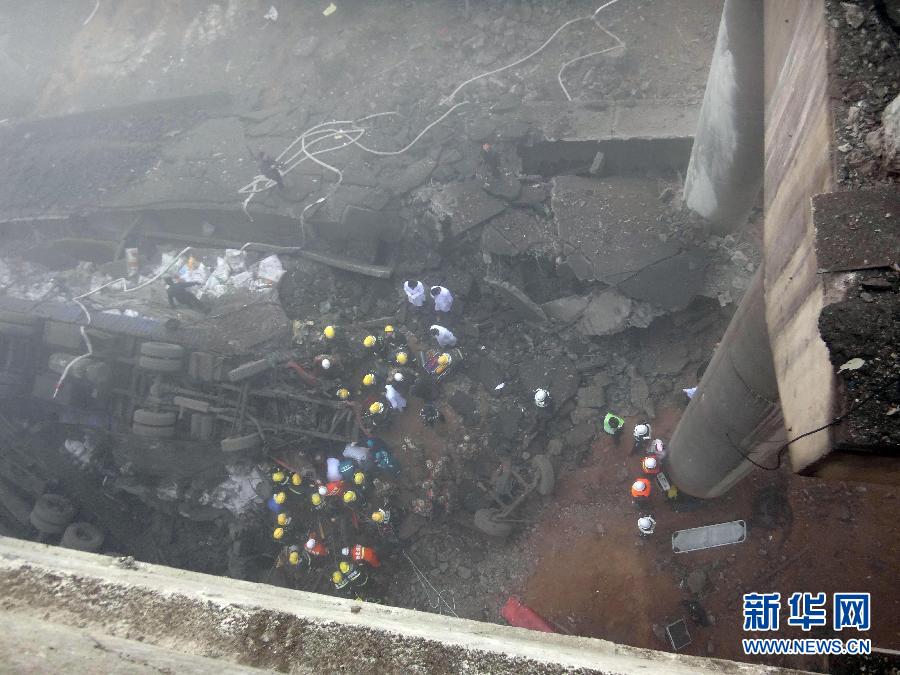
<point x="331" y="471"/>
<point x="356" y="452"/>
<point x="270" y="270"/>
<point x="236" y="259"/>
<point x="241" y="280"/>
<point x="199" y="273"/>
<point x="852" y="364"/>
<point x="690" y="392"/>
<point x="500" y="386"/>
<point x="271" y="15"/>
<point x="237" y="493"/>
<point x="81" y="451"/>
<point x="331" y="9"/>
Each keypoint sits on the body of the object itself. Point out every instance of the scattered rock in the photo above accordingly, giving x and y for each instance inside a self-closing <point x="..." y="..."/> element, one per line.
<point x="866" y="297"/>
<point x="412" y="177"/>
<point x="555" y="446"/>
<point x="877" y="284"/>
<point x="463" y="572"/>
<point x="566" y="309"/>
<point x="697" y="580"/>
<point x="525" y="306"/>
<point x="580" y="435"/>
<point x="606" y="314"/>
<point x="853" y="14"/>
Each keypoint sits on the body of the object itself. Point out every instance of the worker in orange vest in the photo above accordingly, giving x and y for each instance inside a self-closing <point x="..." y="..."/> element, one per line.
<point x="650" y="465"/>
<point x="640" y="490"/>
<point x="316" y="549"/>
<point x="333" y="489"/>
<point x="362" y="554"/>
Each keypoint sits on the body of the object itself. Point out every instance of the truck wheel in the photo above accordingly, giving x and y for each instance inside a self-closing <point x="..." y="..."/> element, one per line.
<point x="146" y="431"/>
<point x="18" y="329"/>
<point x="485" y="522"/>
<point x="162" y="350"/>
<point x="240" y="443"/>
<point x="54" y="509"/>
<point x="250" y="369"/>
<point x="82" y="537"/>
<point x="43" y="526"/>
<point x="151" y="418"/>
<point x="546" y="478"/>
<point x="156" y="365"/>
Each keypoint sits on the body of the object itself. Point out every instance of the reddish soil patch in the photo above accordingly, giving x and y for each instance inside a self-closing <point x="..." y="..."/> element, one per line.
<point x="594" y="576"/>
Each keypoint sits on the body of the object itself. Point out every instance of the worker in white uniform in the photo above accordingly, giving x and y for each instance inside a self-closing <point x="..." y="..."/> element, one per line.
<point x="444" y="337"/>
<point x="415" y="292"/>
<point x="646" y="525"/>
<point x="443" y="299"/>
<point x="394" y="397"/>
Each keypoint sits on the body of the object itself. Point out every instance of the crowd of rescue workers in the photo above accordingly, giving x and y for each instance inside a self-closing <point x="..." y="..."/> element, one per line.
<point x="339" y="522"/>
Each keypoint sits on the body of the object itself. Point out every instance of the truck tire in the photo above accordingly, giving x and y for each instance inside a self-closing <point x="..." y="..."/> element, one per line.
<point x="485" y="522"/>
<point x="43" y="526"/>
<point x="82" y="537"/>
<point x="151" y="418"/>
<point x="162" y="350"/>
<point x="156" y="365"/>
<point x="250" y="369"/>
<point x="146" y="431"/>
<point x="54" y="509"/>
<point x="241" y="443"/>
<point x="8" y="316"/>
<point x="546" y="477"/>
<point x="18" y="329"/>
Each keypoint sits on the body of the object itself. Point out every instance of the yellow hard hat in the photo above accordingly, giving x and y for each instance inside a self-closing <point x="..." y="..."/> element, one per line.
<point x="280" y="497"/>
<point x="296" y="479"/>
<point x="349" y="496"/>
<point x="337" y="577"/>
<point x="376" y="407"/>
<point x="402" y="358"/>
<point x="294" y="558"/>
<point x="343" y="394"/>
<point x="359" y="478"/>
<point x="378" y="516"/>
<point x="389" y="329"/>
<point x="278" y="533"/>
<point x="345" y="566"/>
<point x="282" y="519"/>
<point x="443" y="359"/>
<point x="278" y="476"/>
<point x="328" y="332"/>
<point x="316" y="498"/>
<point x="369" y="341"/>
<point x="368" y="379"/>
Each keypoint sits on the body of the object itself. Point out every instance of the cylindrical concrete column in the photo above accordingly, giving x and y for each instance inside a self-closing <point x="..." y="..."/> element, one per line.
<point x="735" y="412"/>
<point x="725" y="173"/>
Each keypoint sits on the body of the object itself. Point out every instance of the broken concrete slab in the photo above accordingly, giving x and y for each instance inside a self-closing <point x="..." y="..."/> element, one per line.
<point x="606" y="314"/>
<point x="533" y="195"/>
<point x="566" y="309"/>
<point x="516" y="298"/>
<point x="616" y="225"/>
<point x="505" y="187"/>
<point x="515" y="232"/>
<point x="412" y="176"/>
<point x="462" y="205"/>
<point x="671" y="283"/>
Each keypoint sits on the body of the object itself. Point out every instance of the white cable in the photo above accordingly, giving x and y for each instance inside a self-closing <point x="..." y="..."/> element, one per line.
<point x="413" y="141"/>
<point x="620" y="45"/>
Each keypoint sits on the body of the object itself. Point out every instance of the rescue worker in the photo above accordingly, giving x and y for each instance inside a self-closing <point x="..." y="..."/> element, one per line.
<point x="657" y="449"/>
<point x="356" y="576"/>
<point x="283" y="519"/>
<point x="443" y="299"/>
<point x="279" y="533"/>
<point x="297" y="486"/>
<point x="393" y="338"/>
<point x="650" y="465"/>
<point x="355" y="500"/>
<point x="347" y="468"/>
<point x="336" y="341"/>
<point x="177" y="292"/>
<point x="327" y="366"/>
<point x="362" y="554"/>
<point x="333" y="488"/>
<point x="270" y="168"/>
<point x="612" y="424"/>
<point x="444" y="337"/>
<point x="438" y="363"/>
<point x="384" y="460"/>
<point x="640" y="490"/>
<point x="296" y="557"/>
<point x="400" y="357"/>
<point x="280" y="498"/>
<point x="415" y="292"/>
<point x="371" y="346"/>
<point x="641" y="436"/>
<point x="342" y="394"/>
<point x="316" y="549"/>
<point x="490" y="158"/>
<point x="542" y="398"/>
<point x="376" y="415"/>
<point x="394" y="397"/>
<point x="318" y="504"/>
<point x="402" y="380"/>
<point x="382" y="519"/>
<point x="646" y="525"/>
<point x="359" y="481"/>
<point x="280" y="477"/>
<point x="342" y="585"/>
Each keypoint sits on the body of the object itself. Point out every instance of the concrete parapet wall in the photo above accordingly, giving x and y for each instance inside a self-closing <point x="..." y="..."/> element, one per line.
<point x="169" y="616"/>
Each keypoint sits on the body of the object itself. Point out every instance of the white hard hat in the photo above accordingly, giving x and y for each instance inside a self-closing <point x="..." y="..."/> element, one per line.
<point x="345" y="551"/>
<point x="398" y="377"/>
<point x="650" y="462"/>
<point x="540" y="395"/>
<point x="323" y="490"/>
<point x="310" y="543"/>
<point x="645" y="522"/>
<point x="641" y="430"/>
<point x="638" y="485"/>
<point x="326" y="364"/>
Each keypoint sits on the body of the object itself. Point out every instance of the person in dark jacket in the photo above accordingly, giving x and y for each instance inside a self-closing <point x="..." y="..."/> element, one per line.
<point x="178" y="293"/>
